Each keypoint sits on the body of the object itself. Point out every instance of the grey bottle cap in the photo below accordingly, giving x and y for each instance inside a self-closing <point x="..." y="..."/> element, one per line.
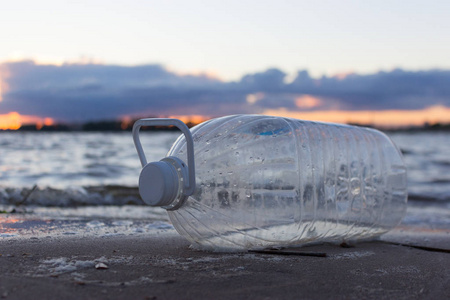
<point x="158" y="183"/>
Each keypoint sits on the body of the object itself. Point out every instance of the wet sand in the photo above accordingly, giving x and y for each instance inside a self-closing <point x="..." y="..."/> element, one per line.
<point x="162" y="266"/>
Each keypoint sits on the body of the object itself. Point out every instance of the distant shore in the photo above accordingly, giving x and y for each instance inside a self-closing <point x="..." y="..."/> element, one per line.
<point x="117" y="126"/>
<point x="106" y="125"/>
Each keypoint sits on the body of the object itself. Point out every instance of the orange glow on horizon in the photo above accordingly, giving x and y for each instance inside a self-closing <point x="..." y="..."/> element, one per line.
<point x="48" y="122"/>
<point x="45" y="122"/>
<point x="14" y="120"/>
<point x="195" y="119"/>
<point x="10" y="121"/>
<point x="126" y="121"/>
<point x="382" y="118"/>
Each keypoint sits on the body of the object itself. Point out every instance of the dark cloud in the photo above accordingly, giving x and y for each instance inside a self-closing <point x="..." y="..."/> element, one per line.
<point x="397" y="89"/>
<point x="75" y="92"/>
<point x="271" y="80"/>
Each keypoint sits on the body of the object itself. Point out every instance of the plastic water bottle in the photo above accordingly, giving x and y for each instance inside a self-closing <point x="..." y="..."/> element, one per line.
<point x="254" y="182"/>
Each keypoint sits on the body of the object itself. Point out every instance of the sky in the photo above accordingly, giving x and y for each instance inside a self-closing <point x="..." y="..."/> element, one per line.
<point x="74" y="61"/>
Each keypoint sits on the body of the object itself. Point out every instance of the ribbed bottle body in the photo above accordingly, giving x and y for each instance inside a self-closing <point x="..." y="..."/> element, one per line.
<point x="267" y="181"/>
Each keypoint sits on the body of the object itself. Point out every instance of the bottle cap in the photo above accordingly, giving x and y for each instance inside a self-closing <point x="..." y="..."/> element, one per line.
<point x="158" y="183"/>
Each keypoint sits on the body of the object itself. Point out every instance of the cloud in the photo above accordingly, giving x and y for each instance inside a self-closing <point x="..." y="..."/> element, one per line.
<point x="82" y="92"/>
<point x="270" y="80"/>
<point x="75" y="92"/>
<point x="397" y="89"/>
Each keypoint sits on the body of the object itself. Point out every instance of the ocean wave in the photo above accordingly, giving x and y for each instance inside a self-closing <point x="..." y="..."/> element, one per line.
<point x="116" y="195"/>
<point x="70" y="197"/>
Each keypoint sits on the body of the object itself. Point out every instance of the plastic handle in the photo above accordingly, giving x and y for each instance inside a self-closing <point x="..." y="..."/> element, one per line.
<point x="190" y="183"/>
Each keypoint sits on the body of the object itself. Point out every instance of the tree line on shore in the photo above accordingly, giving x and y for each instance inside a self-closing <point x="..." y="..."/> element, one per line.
<point x="103" y="125"/>
<point x="115" y="126"/>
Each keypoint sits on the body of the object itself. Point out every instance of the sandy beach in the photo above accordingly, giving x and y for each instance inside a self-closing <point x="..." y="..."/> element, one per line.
<point x="162" y="266"/>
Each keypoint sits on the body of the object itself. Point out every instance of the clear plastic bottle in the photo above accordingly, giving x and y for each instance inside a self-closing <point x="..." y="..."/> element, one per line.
<point x="268" y="181"/>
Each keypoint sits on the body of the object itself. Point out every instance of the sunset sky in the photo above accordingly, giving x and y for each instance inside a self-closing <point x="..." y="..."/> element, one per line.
<point x="379" y="62"/>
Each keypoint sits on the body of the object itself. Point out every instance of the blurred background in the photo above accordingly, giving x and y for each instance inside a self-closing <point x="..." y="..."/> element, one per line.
<point x="79" y="67"/>
<point x="381" y="63"/>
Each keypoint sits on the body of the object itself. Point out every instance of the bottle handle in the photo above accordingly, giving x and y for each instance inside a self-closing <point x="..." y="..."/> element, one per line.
<point x="190" y="183"/>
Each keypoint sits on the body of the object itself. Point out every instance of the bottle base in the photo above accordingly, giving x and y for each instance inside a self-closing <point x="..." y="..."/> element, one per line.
<point x="291" y="235"/>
